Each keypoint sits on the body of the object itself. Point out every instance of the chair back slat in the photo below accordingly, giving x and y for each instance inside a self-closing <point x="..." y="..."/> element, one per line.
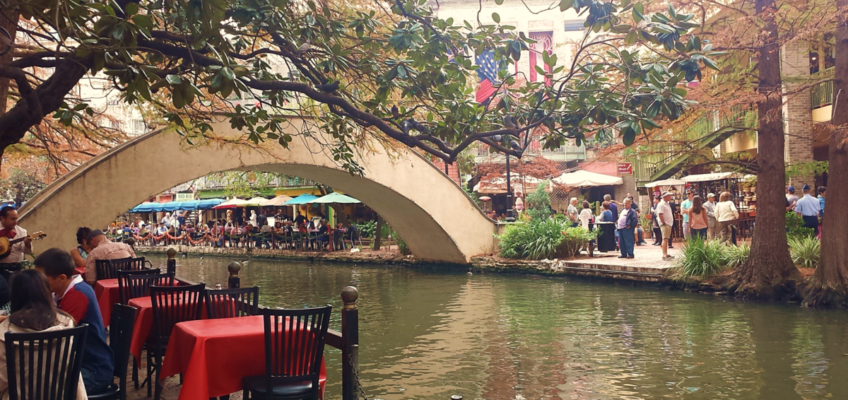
<point x="229" y="303"/>
<point x="172" y="305"/>
<point x="45" y="365"/>
<point x="294" y="343"/>
<point x="135" y="284"/>
<point x="108" y="269"/>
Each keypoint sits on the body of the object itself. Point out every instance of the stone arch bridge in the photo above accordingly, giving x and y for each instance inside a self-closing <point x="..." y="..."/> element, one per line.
<point x="436" y="219"/>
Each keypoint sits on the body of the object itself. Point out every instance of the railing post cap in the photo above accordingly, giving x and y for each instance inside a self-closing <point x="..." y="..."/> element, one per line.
<point x="172" y="252"/>
<point x="234" y="268"/>
<point x="349" y="296"/>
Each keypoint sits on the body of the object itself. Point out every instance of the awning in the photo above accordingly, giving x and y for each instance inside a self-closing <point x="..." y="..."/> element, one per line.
<point x="232" y="203"/>
<point x="143" y="207"/>
<point x="172" y="206"/>
<point x="587" y="179"/>
<point x="665" y="182"/>
<point x="256" y="202"/>
<point x="208" y="204"/>
<point x="709" y="177"/>
<point x="278" y="201"/>
<point x="302" y="199"/>
<point x="190" y="205"/>
<point x="335" y="198"/>
<point x="497" y="185"/>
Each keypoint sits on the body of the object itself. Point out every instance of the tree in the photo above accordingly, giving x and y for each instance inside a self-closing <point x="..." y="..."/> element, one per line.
<point x="21" y="185"/>
<point x="769" y="268"/>
<point x="829" y="285"/>
<point x="391" y="69"/>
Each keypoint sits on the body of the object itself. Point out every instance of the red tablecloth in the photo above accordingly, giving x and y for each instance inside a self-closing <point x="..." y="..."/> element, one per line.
<point x="81" y="271"/>
<point x="143" y="324"/>
<point x="215" y="354"/>
<point x="107" y="295"/>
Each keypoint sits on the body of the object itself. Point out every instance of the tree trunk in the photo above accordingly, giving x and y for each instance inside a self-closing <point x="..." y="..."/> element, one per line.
<point x="829" y="286"/>
<point x="9" y="21"/>
<point x="378" y="234"/>
<point x="769" y="272"/>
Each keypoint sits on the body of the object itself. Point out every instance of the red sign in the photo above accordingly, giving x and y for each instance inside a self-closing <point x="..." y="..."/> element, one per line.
<point x="625" y="168"/>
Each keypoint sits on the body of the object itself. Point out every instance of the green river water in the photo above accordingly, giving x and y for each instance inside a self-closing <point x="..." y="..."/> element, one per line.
<point x="427" y="333"/>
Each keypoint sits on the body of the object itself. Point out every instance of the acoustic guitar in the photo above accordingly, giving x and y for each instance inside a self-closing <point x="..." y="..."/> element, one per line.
<point x="6" y="244"/>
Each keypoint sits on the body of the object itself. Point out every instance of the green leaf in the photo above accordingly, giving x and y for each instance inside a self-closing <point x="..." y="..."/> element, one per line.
<point x="173" y="79"/>
<point x="177" y="98"/>
<point x="142" y="21"/>
<point x="131" y="8"/>
<point x="499" y="2"/>
<point x="228" y="73"/>
<point x="496" y="18"/>
<point x="565" y="4"/>
<point x="628" y="136"/>
<point x="710" y="63"/>
<point x="631" y="38"/>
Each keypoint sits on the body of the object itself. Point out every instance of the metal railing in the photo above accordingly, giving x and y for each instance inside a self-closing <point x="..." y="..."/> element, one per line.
<point x="821" y="94"/>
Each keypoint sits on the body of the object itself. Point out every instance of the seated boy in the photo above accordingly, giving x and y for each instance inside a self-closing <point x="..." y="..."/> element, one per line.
<point x="76" y="298"/>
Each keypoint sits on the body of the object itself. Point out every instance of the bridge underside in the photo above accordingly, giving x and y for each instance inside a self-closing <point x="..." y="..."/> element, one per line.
<point x="427" y="209"/>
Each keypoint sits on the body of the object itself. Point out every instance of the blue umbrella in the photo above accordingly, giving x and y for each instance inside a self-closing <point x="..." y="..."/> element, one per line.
<point x="209" y="203"/>
<point x="190" y="205"/>
<point x="172" y="206"/>
<point x="143" y="208"/>
<point x="302" y="199"/>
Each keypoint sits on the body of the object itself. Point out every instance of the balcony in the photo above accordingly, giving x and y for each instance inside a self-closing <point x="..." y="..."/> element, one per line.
<point x="821" y="96"/>
<point x="560" y="154"/>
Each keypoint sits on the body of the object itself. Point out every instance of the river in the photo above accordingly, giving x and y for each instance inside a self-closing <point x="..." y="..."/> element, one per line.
<point x="427" y="333"/>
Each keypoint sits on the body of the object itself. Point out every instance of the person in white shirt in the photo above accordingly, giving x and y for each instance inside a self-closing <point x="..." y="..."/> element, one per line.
<point x="11" y="231"/>
<point x="586" y="215"/>
<point x="710" y="207"/>
<point x="725" y="213"/>
<point x="666" y="220"/>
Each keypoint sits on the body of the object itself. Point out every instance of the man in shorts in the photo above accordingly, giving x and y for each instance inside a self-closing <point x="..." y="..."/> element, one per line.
<point x="666" y="219"/>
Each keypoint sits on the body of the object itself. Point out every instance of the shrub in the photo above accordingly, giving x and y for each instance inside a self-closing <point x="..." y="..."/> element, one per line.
<point x="805" y="251"/>
<point x="795" y="227"/>
<point x="703" y="258"/>
<point x="574" y="239"/>
<point x="539" y="202"/>
<point x="737" y="255"/>
<point x="401" y="244"/>
<point x="546" y="238"/>
<point x="366" y="229"/>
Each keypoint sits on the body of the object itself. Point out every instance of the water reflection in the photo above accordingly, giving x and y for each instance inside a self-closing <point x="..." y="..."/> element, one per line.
<point x="429" y="333"/>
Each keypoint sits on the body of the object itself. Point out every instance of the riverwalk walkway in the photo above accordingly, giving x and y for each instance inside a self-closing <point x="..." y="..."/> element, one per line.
<point x="646" y="266"/>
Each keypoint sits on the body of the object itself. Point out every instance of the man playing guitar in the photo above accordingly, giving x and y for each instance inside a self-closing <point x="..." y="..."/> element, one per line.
<point x="11" y="230"/>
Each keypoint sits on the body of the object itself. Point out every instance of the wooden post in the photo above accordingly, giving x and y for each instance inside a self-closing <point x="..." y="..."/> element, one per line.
<point x="234" y="282"/>
<point x="350" y="351"/>
<point x="172" y="262"/>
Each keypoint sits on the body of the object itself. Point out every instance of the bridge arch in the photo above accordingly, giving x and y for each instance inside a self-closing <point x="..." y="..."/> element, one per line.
<point x="429" y="211"/>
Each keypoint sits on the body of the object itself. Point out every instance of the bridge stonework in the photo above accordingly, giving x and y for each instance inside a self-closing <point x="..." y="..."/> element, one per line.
<point x="436" y="219"/>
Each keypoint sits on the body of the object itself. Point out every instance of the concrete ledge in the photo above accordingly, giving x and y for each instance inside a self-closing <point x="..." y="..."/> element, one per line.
<point x="580" y="267"/>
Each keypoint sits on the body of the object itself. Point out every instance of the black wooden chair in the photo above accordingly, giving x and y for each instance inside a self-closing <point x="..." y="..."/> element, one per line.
<point x="130" y="264"/>
<point x="171" y="305"/>
<point x="291" y="372"/>
<point x="230" y="303"/>
<point x="120" y="338"/>
<point x="135" y="284"/>
<point x="45" y="365"/>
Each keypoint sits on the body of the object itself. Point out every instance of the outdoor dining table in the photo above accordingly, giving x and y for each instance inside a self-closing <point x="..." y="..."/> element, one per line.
<point x="108" y="294"/>
<point x="213" y="356"/>
<point x="144" y="324"/>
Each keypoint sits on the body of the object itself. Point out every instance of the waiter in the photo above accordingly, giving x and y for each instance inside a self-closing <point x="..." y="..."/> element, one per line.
<point x="11" y="230"/>
<point x="808" y="208"/>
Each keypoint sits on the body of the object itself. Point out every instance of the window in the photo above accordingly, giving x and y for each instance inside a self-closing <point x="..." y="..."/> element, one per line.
<point x="544" y="44"/>
<point x="139" y="126"/>
<point x="574" y="25"/>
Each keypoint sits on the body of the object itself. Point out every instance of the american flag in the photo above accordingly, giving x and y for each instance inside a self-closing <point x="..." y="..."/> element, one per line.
<point x="488" y="74"/>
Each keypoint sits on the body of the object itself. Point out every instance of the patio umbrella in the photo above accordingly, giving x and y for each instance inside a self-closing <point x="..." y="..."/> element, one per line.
<point x="232" y="203"/>
<point x="485" y="198"/>
<point x="335" y="198"/>
<point x="256" y="202"/>
<point x="302" y="199"/>
<point x="143" y="207"/>
<point x="587" y="179"/>
<point x="209" y="203"/>
<point x="666" y="182"/>
<point x="172" y="206"/>
<point x="190" y="205"/>
<point x="278" y="201"/>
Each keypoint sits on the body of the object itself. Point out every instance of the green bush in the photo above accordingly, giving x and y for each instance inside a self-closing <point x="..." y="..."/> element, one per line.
<point x="401" y="244"/>
<point x="542" y="238"/>
<point x="539" y="202"/>
<point x="703" y="258"/>
<point x="366" y="229"/>
<point x="737" y="255"/>
<point x="805" y="251"/>
<point x="795" y="227"/>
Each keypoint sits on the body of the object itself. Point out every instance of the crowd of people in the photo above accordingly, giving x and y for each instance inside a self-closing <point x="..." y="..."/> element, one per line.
<point x="258" y="231"/>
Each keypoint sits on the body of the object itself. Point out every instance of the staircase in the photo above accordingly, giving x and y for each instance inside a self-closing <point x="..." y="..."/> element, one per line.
<point x="671" y="165"/>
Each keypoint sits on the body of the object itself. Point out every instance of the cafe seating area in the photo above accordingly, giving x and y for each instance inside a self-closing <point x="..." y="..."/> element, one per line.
<point x="167" y="327"/>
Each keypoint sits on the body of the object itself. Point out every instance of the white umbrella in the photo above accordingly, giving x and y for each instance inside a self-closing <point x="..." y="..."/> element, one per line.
<point x="278" y="201"/>
<point x="666" y="182"/>
<point x="587" y="179"/>
<point x="256" y="202"/>
<point x="709" y="177"/>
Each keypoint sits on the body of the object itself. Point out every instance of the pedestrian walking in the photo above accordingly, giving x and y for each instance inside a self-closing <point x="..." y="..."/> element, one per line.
<point x="725" y="212"/>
